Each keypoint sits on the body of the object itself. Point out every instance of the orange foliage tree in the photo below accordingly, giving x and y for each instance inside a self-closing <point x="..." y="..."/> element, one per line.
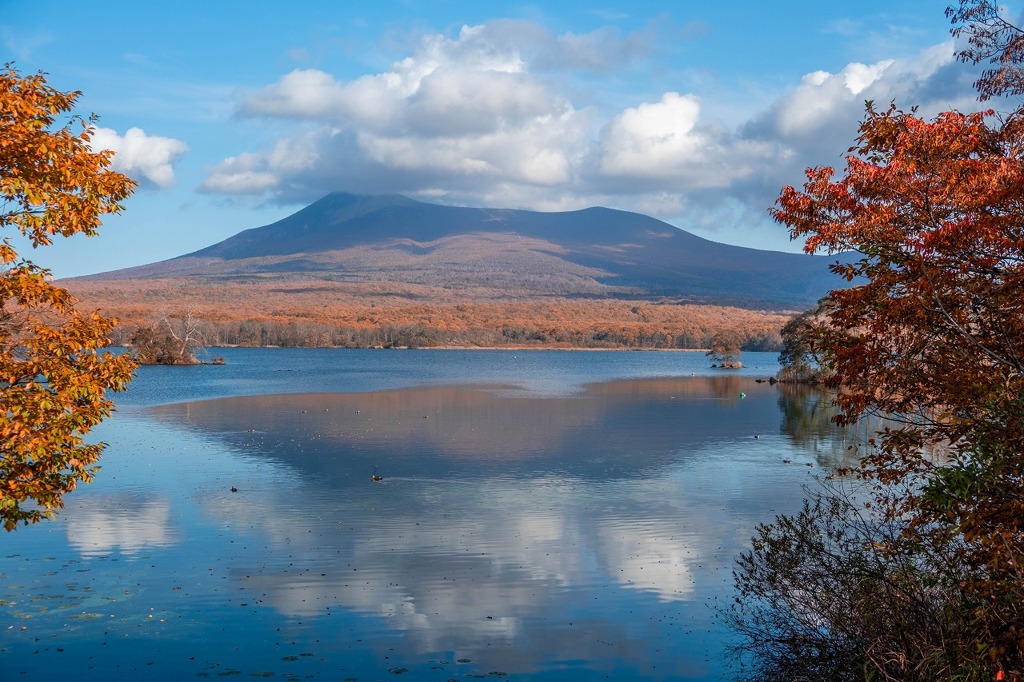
<point x="53" y="373"/>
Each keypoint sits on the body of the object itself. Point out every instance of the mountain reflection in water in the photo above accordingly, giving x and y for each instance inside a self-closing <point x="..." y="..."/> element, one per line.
<point x="542" y="537"/>
<point x="423" y="431"/>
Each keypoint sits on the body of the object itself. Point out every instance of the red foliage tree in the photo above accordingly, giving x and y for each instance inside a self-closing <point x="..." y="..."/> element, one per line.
<point x="931" y="332"/>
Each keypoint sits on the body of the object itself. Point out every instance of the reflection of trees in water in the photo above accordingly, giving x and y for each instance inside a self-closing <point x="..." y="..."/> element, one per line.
<point x="807" y="414"/>
<point x="726" y="387"/>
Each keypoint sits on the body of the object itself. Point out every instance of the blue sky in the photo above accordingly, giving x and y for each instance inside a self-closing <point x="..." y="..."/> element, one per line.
<point x="232" y="115"/>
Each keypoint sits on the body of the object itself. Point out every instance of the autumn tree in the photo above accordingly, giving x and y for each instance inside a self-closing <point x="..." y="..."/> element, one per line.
<point x="172" y="340"/>
<point x="725" y="348"/>
<point x="930" y="333"/>
<point x="53" y="373"/>
<point x="994" y="40"/>
<point x="150" y="347"/>
<point x="933" y="337"/>
<point x="798" y="359"/>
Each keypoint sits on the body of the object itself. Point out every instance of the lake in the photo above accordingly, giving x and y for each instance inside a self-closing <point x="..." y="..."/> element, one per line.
<point x="540" y="515"/>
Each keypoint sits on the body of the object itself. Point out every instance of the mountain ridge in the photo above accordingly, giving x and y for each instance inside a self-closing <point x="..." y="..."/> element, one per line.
<point x="495" y="253"/>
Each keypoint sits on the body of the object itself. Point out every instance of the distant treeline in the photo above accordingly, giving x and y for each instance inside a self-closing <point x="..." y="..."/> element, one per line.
<point x="291" y="315"/>
<point x="293" y="334"/>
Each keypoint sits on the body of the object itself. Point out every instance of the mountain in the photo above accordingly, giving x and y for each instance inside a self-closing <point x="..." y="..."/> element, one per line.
<point x="427" y="250"/>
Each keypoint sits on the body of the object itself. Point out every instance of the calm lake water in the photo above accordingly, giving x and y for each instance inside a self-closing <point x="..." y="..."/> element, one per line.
<point x="542" y="515"/>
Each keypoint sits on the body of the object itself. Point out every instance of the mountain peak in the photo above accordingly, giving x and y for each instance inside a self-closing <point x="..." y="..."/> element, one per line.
<point x="343" y="206"/>
<point x="598" y="252"/>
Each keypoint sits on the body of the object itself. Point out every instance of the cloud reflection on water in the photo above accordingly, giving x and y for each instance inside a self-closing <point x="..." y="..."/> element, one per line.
<point x="501" y="518"/>
<point x="119" y="522"/>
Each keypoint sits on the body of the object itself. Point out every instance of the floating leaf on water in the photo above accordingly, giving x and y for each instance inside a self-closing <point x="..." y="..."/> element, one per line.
<point x="86" y="616"/>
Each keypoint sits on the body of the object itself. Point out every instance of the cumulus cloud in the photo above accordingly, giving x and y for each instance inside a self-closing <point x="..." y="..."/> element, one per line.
<point x="467" y="75"/>
<point x="303" y="93"/>
<point x="651" y="139"/>
<point x="823" y="101"/>
<point x="496" y="115"/>
<point x="462" y="113"/>
<point x="149" y="158"/>
<point x="242" y="174"/>
<point x="662" y="159"/>
<point x="816" y="121"/>
<point x="255" y="173"/>
<point x="822" y="96"/>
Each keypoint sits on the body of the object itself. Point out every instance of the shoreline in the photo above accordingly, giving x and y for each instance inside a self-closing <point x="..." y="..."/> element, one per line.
<point x="515" y="348"/>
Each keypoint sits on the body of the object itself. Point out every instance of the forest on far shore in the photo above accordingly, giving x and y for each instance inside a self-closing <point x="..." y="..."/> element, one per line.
<point x="294" y="315"/>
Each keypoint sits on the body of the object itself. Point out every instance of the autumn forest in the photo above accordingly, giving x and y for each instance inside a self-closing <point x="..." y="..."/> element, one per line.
<point x="323" y="314"/>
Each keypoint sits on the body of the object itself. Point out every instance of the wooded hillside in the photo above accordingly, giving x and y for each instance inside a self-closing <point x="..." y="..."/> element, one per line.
<point x="333" y="314"/>
<point x="353" y="270"/>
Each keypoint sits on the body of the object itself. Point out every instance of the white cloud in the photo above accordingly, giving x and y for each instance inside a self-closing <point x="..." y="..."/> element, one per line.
<point x="256" y="173"/>
<point x="822" y="96"/>
<point x="465" y="76"/>
<point x="149" y="158"/>
<point x="663" y="145"/>
<point x="652" y="139"/>
<point x="242" y="174"/>
<point x="303" y="93"/>
<point x="456" y="102"/>
<point x="824" y="99"/>
<point x="462" y="113"/>
<point x="858" y="76"/>
<point x="535" y="152"/>
<point x="503" y="114"/>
